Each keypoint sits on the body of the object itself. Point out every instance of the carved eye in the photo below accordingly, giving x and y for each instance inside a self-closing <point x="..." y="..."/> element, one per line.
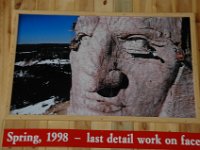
<point x="135" y="44"/>
<point x="75" y="43"/>
<point x="138" y="46"/>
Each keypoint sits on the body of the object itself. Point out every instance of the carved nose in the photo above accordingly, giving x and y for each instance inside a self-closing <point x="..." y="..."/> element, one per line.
<point x="113" y="82"/>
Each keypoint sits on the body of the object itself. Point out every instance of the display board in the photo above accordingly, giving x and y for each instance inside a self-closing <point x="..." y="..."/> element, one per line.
<point x="130" y="119"/>
<point x="105" y="65"/>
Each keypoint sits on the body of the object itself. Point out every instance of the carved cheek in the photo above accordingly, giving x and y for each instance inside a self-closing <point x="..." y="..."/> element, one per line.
<point x="151" y="83"/>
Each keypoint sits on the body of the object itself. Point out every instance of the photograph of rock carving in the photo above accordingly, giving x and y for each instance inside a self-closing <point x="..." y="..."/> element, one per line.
<point x="104" y="66"/>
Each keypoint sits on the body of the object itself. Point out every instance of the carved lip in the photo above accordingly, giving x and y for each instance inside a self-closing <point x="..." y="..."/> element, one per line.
<point x="100" y="100"/>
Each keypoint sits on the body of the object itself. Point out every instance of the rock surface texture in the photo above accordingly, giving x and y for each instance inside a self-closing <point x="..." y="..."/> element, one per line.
<point x="127" y="66"/>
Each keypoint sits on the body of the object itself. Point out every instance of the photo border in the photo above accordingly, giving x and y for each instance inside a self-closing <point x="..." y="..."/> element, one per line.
<point x="195" y="64"/>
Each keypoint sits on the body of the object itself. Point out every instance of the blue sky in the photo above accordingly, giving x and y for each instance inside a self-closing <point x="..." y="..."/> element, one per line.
<point x="35" y="29"/>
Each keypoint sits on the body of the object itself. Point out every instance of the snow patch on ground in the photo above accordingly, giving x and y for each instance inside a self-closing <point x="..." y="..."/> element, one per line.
<point x="27" y="52"/>
<point x="43" y="62"/>
<point x="38" y="108"/>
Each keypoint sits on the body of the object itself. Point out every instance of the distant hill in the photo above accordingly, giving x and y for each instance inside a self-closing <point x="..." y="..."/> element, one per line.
<point x="42" y="51"/>
<point x="29" y="47"/>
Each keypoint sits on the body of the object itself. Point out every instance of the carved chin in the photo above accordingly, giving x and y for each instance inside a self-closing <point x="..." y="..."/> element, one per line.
<point x="98" y="103"/>
<point x="102" y="106"/>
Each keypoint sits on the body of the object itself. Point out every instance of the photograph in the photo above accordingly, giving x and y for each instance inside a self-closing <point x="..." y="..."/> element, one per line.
<point x="78" y="65"/>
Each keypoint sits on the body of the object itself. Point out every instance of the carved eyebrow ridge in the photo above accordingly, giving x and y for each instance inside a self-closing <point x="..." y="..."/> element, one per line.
<point x="76" y="41"/>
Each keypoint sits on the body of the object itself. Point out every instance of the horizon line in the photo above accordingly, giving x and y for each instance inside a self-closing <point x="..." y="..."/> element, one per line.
<point x="39" y="43"/>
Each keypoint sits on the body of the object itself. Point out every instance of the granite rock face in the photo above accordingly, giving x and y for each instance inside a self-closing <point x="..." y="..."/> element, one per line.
<point x="126" y="66"/>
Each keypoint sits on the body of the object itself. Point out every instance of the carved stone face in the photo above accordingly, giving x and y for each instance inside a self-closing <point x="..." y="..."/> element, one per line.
<point x="123" y="65"/>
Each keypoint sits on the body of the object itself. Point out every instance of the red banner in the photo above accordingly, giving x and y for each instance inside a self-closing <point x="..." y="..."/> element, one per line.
<point x="100" y="139"/>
